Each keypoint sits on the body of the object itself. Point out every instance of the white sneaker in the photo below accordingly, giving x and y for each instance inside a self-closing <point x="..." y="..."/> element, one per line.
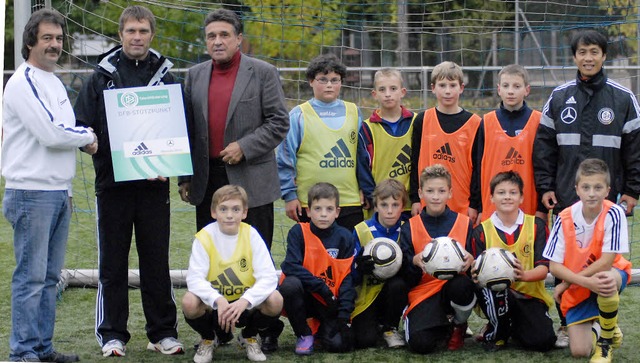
<point x="468" y="333"/>
<point x="242" y="342"/>
<point x="168" y="345"/>
<point x="204" y="354"/>
<point x="562" y="340"/>
<point x="254" y="353"/>
<point x="394" y="339"/>
<point x="113" y="348"/>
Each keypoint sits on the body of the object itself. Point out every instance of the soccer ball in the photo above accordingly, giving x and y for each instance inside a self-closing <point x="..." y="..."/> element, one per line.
<point x="386" y="255"/>
<point x="495" y="269"/>
<point x="443" y="258"/>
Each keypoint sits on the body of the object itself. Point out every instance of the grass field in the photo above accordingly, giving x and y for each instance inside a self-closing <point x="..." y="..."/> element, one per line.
<point x="75" y="319"/>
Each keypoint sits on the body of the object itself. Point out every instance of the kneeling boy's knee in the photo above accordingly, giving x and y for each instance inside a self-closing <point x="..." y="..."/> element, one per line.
<point x="337" y="343"/>
<point x="291" y="286"/>
<point x="580" y="352"/>
<point x="543" y="344"/>
<point x="191" y="305"/>
<point x="420" y="345"/>
<point x="365" y="340"/>
<point x="273" y="305"/>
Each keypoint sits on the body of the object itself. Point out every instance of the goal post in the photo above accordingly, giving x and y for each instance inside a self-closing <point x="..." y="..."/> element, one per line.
<point x="89" y="278"/>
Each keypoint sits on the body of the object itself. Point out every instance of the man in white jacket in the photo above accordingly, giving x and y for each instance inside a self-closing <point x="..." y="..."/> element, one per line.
<point x="38" y="164"/>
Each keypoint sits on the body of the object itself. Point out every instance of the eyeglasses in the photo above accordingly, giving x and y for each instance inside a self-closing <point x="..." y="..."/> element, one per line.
<point x="324" y="80"/>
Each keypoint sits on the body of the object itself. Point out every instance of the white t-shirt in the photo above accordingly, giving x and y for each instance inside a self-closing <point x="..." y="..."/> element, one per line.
<point x="616" y="237"/>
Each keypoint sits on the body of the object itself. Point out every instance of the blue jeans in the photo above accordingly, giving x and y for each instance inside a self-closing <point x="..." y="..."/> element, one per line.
<point x="40" y="221"/>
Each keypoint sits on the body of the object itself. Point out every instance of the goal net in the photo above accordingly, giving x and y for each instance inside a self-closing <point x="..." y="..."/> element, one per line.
<point x="480" y="35"/>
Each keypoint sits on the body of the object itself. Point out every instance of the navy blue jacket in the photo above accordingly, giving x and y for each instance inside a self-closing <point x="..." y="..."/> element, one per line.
<point x="336" y="238"/>
<point x="594" y="118"/>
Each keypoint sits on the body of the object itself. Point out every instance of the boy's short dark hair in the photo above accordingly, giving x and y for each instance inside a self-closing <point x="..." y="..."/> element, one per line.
<point x="229" y="192"/>
<point x="31" y="29"/>
<point x="325" y="64"/>
<point x="139" y="13"/>
<point x="226" y="15"/>
<point x="515" y="70"/>
<point x="433" y="172"/>
<point x="323" y="190"/>
<point x="589" y="37"/>
<point x="507" y="176"/>
<point x="593" y="166"/>
<point x="447" y="70"/>
<point x="390" y="188"/>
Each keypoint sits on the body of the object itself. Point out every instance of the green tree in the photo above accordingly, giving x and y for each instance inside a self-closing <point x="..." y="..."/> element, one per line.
<point x="287" y="32"/>
<point x="616" y="18"/>
<point x="9" y="37"/>
<point x="624" y="14"/>
<point x="460" y="31"/>
<point x="178" y="30"/>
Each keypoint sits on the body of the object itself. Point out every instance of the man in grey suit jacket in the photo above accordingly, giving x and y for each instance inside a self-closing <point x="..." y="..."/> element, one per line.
<point x="236" y="116"/>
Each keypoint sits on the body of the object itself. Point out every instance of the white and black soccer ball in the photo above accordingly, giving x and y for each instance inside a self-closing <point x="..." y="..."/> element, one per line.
<point x="386" y="255"/>
<point x="495" y="268"/>
<point x="443" y="258"/>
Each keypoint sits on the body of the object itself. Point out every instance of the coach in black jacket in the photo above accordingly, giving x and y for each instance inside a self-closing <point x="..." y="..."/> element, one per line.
<point x="127" y="206"/>
<point x="590" y="117"/>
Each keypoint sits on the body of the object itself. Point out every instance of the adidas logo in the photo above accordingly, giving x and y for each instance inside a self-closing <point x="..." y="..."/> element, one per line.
<point x="327" y="277"/>
<point x="402" y="165"/>
<point x="142" y="149"/>
<point x="513" y="158"/>
<point x="338" y="157"/>
<point x="228" y="283"/>
<point x="570" y="101"/>
<point x="444" y="153"/>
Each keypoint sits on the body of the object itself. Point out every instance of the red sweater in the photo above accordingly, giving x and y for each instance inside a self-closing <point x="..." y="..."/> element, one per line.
<point x="223" y="77"/>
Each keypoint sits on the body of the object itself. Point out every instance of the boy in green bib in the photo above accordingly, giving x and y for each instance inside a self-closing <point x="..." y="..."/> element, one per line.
<point x="231" y="279"/>
<point x="380" y="302"/>
<point x="322" y="145"/>
<point x="386" y="136"/>
<point x="520" y="312"/>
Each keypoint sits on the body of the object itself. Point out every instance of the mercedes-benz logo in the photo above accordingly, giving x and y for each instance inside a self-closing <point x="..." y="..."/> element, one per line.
<point x="568" y="115"/>
<point x="170" y="143"/>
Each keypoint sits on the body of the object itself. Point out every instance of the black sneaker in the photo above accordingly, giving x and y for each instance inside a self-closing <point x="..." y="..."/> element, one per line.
<point x="269" y="344"/>
<point x="224" y="337"/>
<point x="270" y="336"/>
<point x="493" y="346"/>
<point x="58" y="357"/>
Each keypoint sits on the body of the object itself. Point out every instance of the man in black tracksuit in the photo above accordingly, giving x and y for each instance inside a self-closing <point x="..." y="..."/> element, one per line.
<point x="123" y="205"/>
<point x="591" y="117"/>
